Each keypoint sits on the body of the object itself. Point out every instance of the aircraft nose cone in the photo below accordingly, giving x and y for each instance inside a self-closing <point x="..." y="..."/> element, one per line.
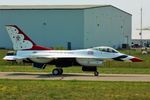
<point x="135" y="59"/>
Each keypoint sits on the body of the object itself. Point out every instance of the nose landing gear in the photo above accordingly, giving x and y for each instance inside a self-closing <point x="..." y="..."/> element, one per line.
<point x="91" y="69"/>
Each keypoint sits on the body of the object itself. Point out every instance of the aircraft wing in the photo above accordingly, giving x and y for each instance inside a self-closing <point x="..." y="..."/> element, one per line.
<point x="62" y="55"/>
<point x="48" y="56"/>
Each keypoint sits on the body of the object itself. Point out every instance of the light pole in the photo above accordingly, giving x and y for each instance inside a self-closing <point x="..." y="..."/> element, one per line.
<point x="141" y="27"/>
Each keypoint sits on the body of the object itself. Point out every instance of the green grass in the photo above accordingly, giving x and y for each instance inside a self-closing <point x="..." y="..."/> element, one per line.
<point x="73" y="90"/>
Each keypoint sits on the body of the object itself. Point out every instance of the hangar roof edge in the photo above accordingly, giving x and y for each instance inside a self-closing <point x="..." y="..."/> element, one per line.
<point x="57" y="7"/>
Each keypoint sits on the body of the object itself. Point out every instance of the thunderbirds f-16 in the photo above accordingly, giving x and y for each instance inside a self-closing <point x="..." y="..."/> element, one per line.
<point x="88" y="59"/>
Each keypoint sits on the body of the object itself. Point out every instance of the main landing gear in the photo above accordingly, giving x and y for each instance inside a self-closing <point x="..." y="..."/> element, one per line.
<point x="57" y="71"/>
<point x="96" y="73"/>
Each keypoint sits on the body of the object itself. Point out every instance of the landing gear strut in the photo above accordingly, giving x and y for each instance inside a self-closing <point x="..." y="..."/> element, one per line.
<point x="96" y="73"/>
<point x="57" y="71"/>
<point x="91" y="69"/>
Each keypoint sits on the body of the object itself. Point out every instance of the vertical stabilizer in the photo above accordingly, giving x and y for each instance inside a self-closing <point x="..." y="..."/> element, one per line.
<point x="21" y="41"/>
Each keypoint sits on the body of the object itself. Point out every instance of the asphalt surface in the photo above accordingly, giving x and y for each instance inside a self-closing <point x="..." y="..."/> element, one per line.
<point x="75" y="76"/>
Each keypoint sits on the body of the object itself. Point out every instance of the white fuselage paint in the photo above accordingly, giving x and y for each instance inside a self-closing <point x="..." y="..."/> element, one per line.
<point x="85" y="57"/>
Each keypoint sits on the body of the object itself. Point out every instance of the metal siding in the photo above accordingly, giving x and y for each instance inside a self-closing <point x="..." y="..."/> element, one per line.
<point x="106" y="26"/>
<point x="51" y="28"/>
<point x="83" y="28"/>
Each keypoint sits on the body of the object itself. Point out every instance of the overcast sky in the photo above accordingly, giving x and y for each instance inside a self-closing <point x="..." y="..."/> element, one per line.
<point x="131" y="6"/>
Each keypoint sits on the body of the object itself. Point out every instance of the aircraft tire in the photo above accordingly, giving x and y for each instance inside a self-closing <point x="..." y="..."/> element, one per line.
<point x="56" y="72"/>
<point x="96" y="73"/>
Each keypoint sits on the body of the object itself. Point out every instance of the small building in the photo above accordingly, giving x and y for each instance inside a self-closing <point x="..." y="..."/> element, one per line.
<point x="68" y="26"/>
<point x="137" y="43"/>
<point x="141" y="40"/>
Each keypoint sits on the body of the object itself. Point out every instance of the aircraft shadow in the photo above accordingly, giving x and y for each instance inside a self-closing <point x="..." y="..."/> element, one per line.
<point x="43" y="75"/>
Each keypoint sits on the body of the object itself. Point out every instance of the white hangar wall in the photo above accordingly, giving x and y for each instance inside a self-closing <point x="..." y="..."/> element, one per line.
<point x="106" y="26"/>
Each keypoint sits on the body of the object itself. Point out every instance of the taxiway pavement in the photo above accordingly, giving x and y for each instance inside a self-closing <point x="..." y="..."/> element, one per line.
<point x="75" y="76"/>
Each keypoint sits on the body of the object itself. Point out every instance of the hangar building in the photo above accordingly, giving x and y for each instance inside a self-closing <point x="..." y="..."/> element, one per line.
<point x="72" y="26"/>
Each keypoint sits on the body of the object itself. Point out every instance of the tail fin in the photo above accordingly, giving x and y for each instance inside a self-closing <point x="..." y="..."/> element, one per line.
<point x="21" y="41"/>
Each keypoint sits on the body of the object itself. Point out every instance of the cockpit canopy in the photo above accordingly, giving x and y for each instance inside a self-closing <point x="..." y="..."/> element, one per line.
<point x="106" y="49"/>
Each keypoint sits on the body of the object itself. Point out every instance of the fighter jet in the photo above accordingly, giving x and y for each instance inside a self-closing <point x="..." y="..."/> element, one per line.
<point x="89" y="59"/>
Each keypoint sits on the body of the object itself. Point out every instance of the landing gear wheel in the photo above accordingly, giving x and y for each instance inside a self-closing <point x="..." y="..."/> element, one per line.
<point x="56" y="72"/>
<point x="96" y="73"/>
